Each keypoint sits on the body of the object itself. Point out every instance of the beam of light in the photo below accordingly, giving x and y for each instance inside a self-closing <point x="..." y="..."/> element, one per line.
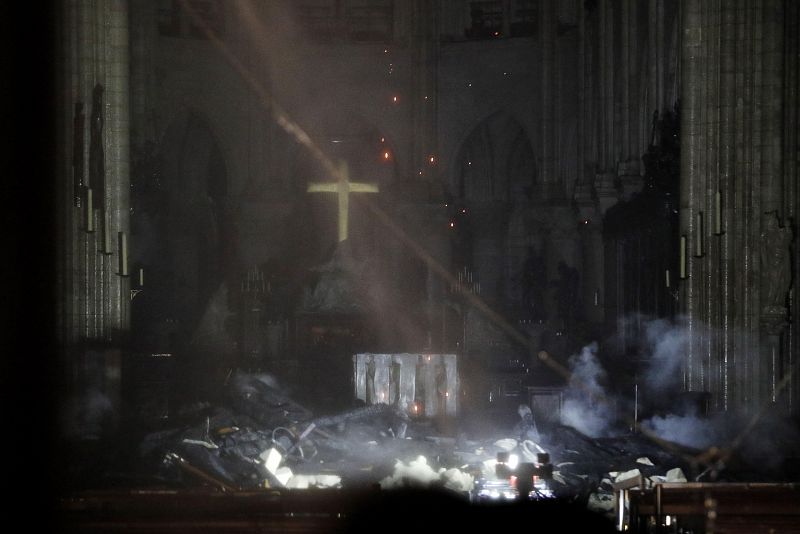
<point x="268" y="102"/>
<point x="283" y="119"/>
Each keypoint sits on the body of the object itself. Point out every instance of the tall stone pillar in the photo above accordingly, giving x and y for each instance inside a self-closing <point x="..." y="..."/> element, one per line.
<point x="774" y="315"/>
<point x="93" y="239"/>
<point x="549" y="97"/>
<point x="96" y="56"/>
<point x="733" y="210"/>
<point x="692" y="194"/>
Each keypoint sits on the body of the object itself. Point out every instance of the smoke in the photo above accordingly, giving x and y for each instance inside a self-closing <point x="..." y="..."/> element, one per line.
<point x="689" y="430"/>
<point x="666" y="343"/>
<point x="761" y="438"/>
<point x="586" y="407"/>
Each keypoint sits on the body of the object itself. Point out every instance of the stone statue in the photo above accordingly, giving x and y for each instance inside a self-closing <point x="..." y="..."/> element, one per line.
<point x="776" y="266"/>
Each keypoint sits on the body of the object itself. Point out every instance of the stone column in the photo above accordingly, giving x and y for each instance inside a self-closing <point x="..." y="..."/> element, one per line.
<point x="691" y="149"/>
<point x="791" y="120"/>
<point x="726" y="189"/>
<point x="96" y="50"/>
<point x="773" y="318"/>
<point x="94" y="297"/>
<point x="117" y="69"/>
<point x="549" y="98"/>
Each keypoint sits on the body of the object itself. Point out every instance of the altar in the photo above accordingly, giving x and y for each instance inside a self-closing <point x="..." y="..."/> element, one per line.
<point x="423" y="384"/>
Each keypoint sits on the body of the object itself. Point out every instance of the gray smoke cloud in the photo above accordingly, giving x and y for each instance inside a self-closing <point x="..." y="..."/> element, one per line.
<point x="690" y="430"/>
<point x="586" y="406"/>
<point x="761" y="439"/>
<point x="666" y="343"/>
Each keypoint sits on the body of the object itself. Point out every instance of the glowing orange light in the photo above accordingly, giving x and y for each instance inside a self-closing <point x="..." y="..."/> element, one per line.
<point x="394" y="99"/>
<point x="432" y="160"/>
<point x="386" y="155"/>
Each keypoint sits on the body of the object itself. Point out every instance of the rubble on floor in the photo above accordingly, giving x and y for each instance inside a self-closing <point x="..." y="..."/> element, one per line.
<point x="258" y="437"/>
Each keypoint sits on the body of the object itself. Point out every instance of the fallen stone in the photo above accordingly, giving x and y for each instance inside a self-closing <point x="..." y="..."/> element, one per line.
<point x="272" y="459"/>
<point x="676" y="475"/>
<point x="626" y="475"/>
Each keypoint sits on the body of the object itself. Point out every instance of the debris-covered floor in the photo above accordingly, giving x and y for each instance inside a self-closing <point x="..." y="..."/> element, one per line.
<point x="260" y="438"/>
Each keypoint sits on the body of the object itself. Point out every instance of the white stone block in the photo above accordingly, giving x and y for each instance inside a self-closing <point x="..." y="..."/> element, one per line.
<point x="272" y="459"/>
<point x="676" y="475"/>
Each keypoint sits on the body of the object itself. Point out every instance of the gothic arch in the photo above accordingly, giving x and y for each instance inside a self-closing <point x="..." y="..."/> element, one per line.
<point x="193" y="228"/>
<point x="495" y="162"/>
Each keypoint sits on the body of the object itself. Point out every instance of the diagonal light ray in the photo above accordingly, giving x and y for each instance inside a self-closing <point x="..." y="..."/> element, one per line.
<point x="296" y="132"/>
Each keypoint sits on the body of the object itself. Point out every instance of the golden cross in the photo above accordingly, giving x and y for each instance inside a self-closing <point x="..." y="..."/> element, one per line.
<point x="342" y="187"/>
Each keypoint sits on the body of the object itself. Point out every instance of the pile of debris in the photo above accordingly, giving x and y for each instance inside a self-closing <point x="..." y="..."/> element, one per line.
<point x="263" y="439"/>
